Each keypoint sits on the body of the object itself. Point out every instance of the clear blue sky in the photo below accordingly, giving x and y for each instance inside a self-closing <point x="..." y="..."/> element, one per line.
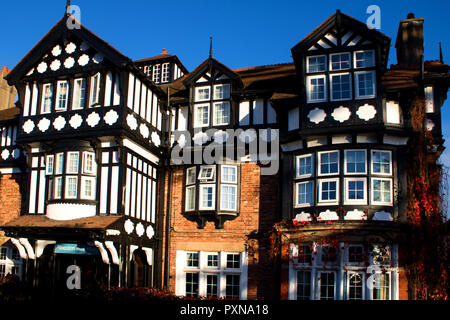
<point x="246" y="32"/>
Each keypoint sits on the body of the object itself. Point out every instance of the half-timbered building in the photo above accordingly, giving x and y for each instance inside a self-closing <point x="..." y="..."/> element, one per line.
<point x="91" y="126"/>
<point x="280" y="181"/>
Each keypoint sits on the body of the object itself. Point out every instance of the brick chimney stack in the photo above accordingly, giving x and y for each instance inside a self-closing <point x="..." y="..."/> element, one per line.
<point x="410" y="43"/>
<point x="7" y="92"/>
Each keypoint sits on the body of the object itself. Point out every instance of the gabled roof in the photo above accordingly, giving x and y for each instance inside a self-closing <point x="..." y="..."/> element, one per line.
<point x="207" y="65"/>
<point x="339" y="21"/>
<point x="61" y="30"/>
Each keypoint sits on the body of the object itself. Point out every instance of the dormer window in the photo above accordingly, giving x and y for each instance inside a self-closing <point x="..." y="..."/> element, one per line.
<point x="364" y="59"/>
<point x="156" y="73"/>
<point x="79" y="94"/>
<point x="316" y="64"/>
<point x="165" y="72"/>
<point x="62" y="95"/>
<point x="202" y="93"/>
<point x="221" y="91"/>
<point x="95" y="90"/>
<point x="47" y="98"/>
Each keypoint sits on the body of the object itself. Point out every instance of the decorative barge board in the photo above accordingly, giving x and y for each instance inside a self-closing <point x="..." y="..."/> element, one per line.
<point x="91" y="125"/>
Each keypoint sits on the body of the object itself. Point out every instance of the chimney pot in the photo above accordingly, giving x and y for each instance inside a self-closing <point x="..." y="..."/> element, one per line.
<point x="164" y="51"/>
<point x="4" y="68"/>
<point x="410" y="15"/>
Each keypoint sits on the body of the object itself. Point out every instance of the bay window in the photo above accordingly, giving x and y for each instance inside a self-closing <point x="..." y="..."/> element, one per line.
<point x="71" y="175"/>
<point x="206" y="183"/>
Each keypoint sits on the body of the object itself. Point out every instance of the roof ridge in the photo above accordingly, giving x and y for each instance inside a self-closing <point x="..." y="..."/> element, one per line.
<point x="266" y="65"/>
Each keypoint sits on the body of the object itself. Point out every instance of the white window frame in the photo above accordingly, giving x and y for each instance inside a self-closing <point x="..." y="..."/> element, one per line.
<point x="372" y="63"/>
<point x="381" y="203"/>
<point x="363" y="287"/>
<point x="319" y="163"/>
<point x="94" y="94"/>
<point x="59" y="94"/>
<point x="332" y="98"/>
<point x="66" y="187"/>
<point x="297" y="166"/>
<point x="340" y="54"/>
<point x="188" y="170"/>
<point x="79" y="94"/>
<point x="226" y="91"/>
<point x="165" y="72"/>
<point x="186" y="207"/>
<point x="317" y="56"/>
<point x="372" y="163"/>
<point x="319" y="197"/>
<point x="59" y="163"/>
<point x="197" y="89"/>
<point x="374" y="85"/>
<point x="50" y="165"/>
<point x="308" y="88"/>
<point x="209" y="177"/>
<point x="225" y="115"/>
<point x="222" y="177"/>
<point x="347" y="200"/>
<point x="198" y="124"/>
<point x="86" y="154"/>
<point x="44" y="105"/>
<point x="346" y="161"/>
<point x="58" y="191"/>
<point x="69" y="154"/>
<point x="201" y="192"/>
<point x="389" y="295"/>
<point x="156" y="73"/>
<point x="302" y="205"/>
<point x="429" y="99"/>
<point x="83" y="188"/>
<point x="319" y="284"/>
<point x="234" y="203"/>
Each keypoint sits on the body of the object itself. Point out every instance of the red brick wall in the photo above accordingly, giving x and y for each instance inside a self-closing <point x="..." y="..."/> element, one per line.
<point x="10" y="197"/>
<point x="258" y="212"/>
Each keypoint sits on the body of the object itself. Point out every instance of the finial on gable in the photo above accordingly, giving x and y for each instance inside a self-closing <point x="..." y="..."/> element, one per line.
<point x="210" y="47"/>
